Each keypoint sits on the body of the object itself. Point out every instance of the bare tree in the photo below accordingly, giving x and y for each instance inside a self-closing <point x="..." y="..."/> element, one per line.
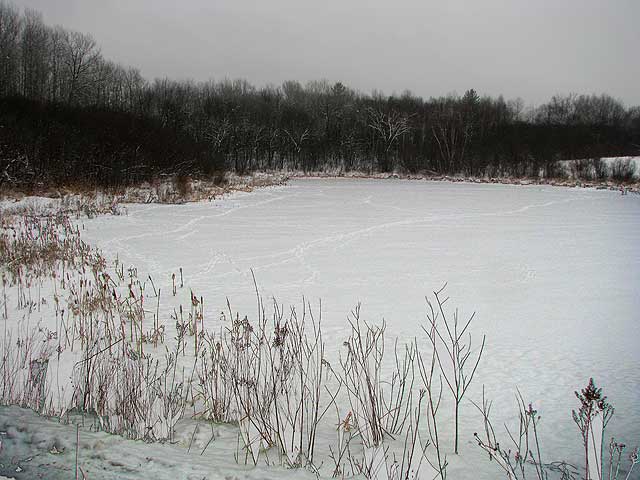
<point x="451" y="134"/>
<point x="82" y="56"/>
<point x="389" y="127"/>
<point x="9" y="57"/>
<point x="297" y="138"/>
<point x="57" y="77"/>
<point x="134" y="85"/>
<point x="33" y="49"/>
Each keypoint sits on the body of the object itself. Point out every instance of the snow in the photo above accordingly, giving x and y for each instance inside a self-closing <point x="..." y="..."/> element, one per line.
<point x="553" y="274"/>
<point x="35" y="448"/>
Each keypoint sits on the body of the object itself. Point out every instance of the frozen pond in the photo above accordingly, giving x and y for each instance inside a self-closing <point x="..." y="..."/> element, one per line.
<point x="553" y="274"/>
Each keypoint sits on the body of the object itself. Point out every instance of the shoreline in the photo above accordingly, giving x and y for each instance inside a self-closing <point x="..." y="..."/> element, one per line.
<point x="169" y="191"/>
<point x="524" y="181"/>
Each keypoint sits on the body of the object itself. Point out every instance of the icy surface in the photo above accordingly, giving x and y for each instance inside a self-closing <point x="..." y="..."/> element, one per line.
<point x="553" y="274"/>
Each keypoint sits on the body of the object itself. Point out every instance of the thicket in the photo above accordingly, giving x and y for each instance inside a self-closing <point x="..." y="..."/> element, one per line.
<point x="67" y="113"/>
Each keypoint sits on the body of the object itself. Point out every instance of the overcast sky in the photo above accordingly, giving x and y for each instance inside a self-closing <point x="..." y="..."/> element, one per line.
<point x="519" y="48"/>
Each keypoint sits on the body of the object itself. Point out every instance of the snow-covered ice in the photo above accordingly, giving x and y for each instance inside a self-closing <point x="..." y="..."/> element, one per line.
<point x="553" y="274"/>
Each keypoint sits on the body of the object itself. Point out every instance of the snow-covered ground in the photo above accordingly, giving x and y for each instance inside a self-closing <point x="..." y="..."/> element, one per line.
<point x="553" y="274"/>
<point x="39" y="448"/>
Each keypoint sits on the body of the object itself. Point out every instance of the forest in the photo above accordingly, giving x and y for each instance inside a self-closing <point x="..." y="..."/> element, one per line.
<point x="68" y="115"/>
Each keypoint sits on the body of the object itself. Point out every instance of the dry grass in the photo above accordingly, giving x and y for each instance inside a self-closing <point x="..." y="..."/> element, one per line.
<point x="109" y="358"/>
<point x="269" y="376"/>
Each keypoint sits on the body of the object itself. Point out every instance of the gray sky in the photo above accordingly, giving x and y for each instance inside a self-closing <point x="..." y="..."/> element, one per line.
<point x="527" y="48"/>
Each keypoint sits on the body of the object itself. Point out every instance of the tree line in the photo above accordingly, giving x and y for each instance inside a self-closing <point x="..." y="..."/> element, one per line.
<point x="69" y="114"/>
